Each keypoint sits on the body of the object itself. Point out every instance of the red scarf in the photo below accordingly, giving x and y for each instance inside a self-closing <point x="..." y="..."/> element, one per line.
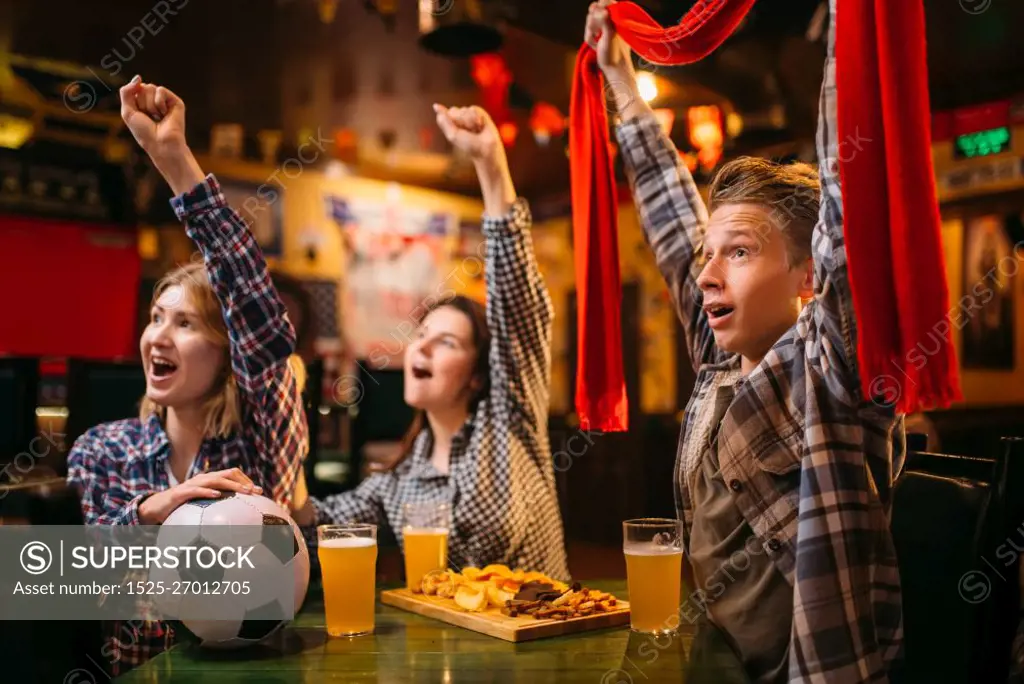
<point x="891" y="215"/>
<point x="600" y="382"/>
<point x="888" y="186"/>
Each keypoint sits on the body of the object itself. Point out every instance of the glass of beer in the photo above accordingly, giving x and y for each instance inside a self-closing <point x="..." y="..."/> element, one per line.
<point x="654" y="555"/>
<point x="425" y="536"/>
<point x="348" y="564"/>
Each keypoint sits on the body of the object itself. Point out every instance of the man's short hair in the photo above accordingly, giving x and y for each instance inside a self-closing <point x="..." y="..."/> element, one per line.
<point x="790" y="193"/>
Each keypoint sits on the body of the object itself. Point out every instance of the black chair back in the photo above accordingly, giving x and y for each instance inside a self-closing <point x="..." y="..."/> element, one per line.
<point x="950" y="524"/>
<point x="19" y="393"/>
<point x="100" y="392"/>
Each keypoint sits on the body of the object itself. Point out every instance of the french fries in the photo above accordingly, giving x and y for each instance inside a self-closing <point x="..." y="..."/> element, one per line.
<point x="497" y="586"/>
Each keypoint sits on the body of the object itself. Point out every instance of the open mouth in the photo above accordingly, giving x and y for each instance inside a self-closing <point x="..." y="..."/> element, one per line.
<point x="161" y="368"/>
<point x="716" y="311"/>
<point x="421" y="373"/>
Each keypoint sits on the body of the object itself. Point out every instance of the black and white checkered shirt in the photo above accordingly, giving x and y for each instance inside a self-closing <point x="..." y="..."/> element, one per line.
<point x="501" y="484"/>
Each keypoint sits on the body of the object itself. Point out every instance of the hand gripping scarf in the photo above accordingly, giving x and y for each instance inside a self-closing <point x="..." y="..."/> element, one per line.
<point x="905" y="353"/>
<point x="600" y="383"/>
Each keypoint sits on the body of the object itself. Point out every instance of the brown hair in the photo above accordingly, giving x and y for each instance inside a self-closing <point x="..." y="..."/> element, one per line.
<point x="791" y="193"/>
<point x="222" y="409"/>
<point x="477" y="315"/>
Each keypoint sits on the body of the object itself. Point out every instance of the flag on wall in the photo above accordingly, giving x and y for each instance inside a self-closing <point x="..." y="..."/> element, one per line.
<point x="397" y="259"/>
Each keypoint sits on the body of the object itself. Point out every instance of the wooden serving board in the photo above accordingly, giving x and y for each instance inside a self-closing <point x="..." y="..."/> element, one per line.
<point x="493" y="623"/>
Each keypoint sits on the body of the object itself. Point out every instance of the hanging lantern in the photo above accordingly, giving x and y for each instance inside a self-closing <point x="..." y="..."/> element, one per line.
<point x="509" y="131"/>
<point x="492" y="75"/>
<point x="344" y="138"/>
<point x="546" y="121"/>
<point x="666" y="118"/>
<point x="489" y="70"/>
<point x="458" y="28"/>
<point x="346" y="145"/>
<point x="706" y="134"/>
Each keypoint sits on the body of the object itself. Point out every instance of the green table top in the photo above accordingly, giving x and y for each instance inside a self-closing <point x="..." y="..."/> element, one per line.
<point x="411" y="648"/>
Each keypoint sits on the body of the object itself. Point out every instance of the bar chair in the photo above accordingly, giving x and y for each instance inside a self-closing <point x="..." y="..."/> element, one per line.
<point x="952" y="520"/>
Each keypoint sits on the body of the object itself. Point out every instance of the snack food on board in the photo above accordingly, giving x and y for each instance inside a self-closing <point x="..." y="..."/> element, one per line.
<point x="515" y="593"/>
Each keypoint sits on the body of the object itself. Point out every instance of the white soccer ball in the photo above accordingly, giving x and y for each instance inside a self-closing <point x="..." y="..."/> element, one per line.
<point x="242" y="619"/>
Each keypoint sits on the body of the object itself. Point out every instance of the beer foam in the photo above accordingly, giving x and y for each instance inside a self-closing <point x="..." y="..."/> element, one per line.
<point x="649" y="549"/>
<point x="407" y="531"/>
<point x="347" y="543"/>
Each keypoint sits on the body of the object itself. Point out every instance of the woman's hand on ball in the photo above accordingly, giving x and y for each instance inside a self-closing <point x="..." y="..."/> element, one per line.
<point x="155" y="508"/>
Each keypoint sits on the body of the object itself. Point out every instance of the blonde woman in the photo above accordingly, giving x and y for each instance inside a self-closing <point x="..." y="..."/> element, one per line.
<point x="222" y="410"/>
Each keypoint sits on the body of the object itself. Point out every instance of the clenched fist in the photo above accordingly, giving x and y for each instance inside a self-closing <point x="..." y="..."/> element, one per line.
<point x="156" y="118"/>
<point x="615" y="59"/>
<point x="154" y="115"/>
<point x="472" y="131"/>
<point x="613" y="55"/>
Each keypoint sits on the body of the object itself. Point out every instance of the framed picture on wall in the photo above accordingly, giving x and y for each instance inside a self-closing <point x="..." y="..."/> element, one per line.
<point x="990" y="269"/>
<point x="263" y="212"/>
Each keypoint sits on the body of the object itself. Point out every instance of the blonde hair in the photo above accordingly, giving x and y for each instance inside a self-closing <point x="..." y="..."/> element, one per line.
<point x="222" y="409"/>
<point x="790" y="193"/>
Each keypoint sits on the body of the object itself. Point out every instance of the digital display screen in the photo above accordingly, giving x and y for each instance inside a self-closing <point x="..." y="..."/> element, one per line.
<point x="982" y="143"/>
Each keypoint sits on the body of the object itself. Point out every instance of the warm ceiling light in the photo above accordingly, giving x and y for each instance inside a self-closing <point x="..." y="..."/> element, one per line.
<point x="647" y="85"/>
<point x="14" y="131"/>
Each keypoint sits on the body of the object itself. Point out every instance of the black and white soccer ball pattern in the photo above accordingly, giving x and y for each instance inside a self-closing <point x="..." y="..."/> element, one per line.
<point x="243" y="619"/>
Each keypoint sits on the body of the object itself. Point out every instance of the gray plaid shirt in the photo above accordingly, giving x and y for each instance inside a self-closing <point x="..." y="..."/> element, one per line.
<point x="501" y="481"/>
<point x="811" y="461"/>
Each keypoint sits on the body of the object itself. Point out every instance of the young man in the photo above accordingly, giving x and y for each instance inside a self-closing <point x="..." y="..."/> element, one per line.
<point x="785" y="467"/>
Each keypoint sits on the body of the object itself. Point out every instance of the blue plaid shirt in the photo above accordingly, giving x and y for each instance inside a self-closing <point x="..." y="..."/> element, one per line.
<point x="114" y="466"/>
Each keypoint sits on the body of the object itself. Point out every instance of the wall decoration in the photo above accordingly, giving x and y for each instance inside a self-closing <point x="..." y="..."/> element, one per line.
<point x="262" y="208"/>
<point x="990" y="265"/>
<point x="397" y="262"/>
